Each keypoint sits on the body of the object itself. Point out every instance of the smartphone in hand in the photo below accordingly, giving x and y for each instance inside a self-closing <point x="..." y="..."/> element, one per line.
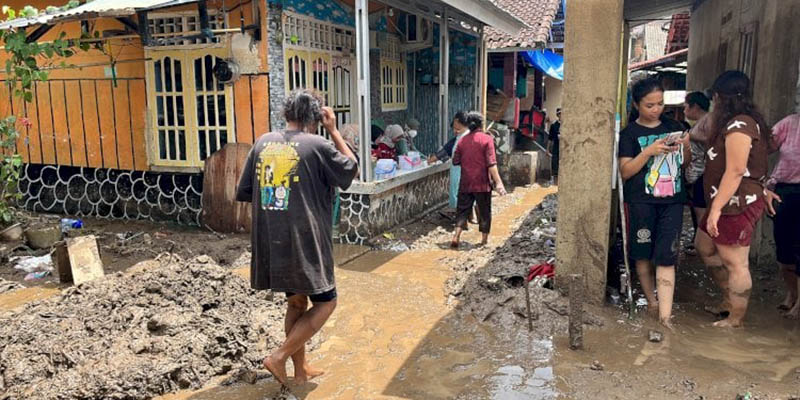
<point x="674" y="137"/>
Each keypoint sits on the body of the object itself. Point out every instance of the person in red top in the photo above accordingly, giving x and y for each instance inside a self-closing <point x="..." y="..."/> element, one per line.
<point x="476" y="156"/>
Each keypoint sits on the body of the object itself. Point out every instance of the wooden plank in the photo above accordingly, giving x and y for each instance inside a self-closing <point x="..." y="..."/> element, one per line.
<point x="108" y="134"/>
<point x="79" y="260"/>
<point x="61" y="127"/>
<point x="45" y="111"/>
<point x="138" y="108"/>
<point x="122" y="113"/>
<point x="221" y="211"/>
<point x="91" y="124"/>
<point x="77" y="135"/>
<point x="259" y="93"/>
<point x="244" y="115"/>
<point x="34" y="135"/>
<point x="22" y="139"/>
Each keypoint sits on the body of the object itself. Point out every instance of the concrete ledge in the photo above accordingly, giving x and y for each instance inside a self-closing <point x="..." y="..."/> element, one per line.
<point x="527" y="167"/>
<point x="396" y="181"/>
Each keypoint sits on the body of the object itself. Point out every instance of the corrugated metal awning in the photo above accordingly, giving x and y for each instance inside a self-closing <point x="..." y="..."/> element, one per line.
<point x="93" y="9"/>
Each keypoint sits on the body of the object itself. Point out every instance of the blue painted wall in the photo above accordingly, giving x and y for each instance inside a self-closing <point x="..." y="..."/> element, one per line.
<point x="329" y="10"/>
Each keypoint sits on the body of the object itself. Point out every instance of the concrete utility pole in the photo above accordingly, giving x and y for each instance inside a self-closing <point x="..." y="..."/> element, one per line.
<point x="592" y="52"/>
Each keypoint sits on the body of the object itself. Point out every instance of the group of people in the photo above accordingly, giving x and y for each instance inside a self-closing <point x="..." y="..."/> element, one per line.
<point x="720" y="168"/>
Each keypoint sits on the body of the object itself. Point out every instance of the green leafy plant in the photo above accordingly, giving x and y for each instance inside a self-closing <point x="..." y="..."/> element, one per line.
<point x="26" y="64"/>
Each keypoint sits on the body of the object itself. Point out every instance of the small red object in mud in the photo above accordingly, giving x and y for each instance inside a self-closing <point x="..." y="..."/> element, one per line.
<point x="545" y="269"/>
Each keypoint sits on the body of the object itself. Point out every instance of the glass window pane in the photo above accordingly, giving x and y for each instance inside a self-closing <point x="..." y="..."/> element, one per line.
<point x="198" y="74"/>
<point x="181" y="118"/>
<point x="220" y="85"/>
<point x="223" y="137"/>
<point x="170" y="110"/>
<point x="162" y="145"/>
<point x="212" y="142"/>
<point x="223" y="118"/>
<point x="172" y="148"/>
<point x="201" y="140"/>
<point x="157" y="68"/>
<point x="182" y="144"/>
<point x="168" y="74"/>
<point x="201" y="111"/>
<point x="211" y="111"/>
<point x="178" y="76"/>
<point x="160" y="110"/>
<point x="209" y="70"/>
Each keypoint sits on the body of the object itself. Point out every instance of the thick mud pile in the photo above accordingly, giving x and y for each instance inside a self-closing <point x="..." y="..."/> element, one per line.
<point x="490" y="284"/>
<point x="7" y="286"/>
<point x="159" y="329"/>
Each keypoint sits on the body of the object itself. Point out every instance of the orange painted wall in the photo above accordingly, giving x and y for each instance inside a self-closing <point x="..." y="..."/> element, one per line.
<point x="81" y="118"/>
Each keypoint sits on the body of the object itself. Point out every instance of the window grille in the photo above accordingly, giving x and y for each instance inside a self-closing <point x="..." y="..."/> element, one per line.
<point x="311" y="33"/>
<point x="165" y="29"/>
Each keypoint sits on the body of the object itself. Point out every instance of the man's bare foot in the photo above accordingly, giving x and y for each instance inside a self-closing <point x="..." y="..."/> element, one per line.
<point x="787" y="303"/>
<point x="728" y="323"/>
<point x="794" y="313"/>
<point x="307" y="373"/>
<point x="667" y="323"/>
<point x="276" y="368"/>
<point x="454" y="244"/>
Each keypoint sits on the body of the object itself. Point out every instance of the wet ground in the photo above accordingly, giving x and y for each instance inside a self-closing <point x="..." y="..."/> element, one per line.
<point x="394" y="335"/>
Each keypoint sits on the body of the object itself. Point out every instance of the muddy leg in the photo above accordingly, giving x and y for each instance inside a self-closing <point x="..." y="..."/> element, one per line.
<point x="708" y="252"/>
<point x="790" y="279"/>
<point x="665" y="280"/>
<point x="794" y="313"/>
<point x="304" y="328"/>
<point x="740" y="283"/>
<point x="645" y="272"/>
<point x="297" y="306"/>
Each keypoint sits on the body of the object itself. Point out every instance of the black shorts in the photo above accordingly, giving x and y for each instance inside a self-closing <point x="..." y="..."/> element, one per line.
<point x="698" y="194"/>
<point x="325" y="297"/>
<point x="787" y="225"/>
<point x="654" y="232"/>
<point x="464" y="207"/>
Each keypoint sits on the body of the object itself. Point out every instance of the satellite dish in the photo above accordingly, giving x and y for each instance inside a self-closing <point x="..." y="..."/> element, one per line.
<point x="226" y="71"/>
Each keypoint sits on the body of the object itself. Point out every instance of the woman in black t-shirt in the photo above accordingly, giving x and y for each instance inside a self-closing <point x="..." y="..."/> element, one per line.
<point x="654" y="193"/>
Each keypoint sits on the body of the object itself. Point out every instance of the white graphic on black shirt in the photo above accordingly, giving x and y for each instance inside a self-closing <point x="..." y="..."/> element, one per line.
<point x="737" y="124"/>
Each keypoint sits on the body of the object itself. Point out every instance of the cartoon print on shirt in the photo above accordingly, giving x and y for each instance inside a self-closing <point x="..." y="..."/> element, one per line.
<point x="276" y="168"/>
<point x="664" y="179"/>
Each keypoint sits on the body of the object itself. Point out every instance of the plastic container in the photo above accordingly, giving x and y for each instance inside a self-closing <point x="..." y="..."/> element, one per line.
<point x="385" y="168"/>
<point x="410" y="161"/>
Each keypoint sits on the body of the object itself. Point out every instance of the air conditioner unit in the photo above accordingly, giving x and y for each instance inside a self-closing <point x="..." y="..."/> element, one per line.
<point x="418" y="33"/>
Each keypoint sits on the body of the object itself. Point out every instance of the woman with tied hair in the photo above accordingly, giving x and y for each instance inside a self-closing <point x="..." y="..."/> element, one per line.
<point x="736" y="167"/>
<point x="289" y="178"/>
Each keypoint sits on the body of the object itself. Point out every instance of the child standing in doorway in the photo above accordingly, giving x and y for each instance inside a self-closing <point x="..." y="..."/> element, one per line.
<point x="652" y="168"/>
<point x="476" y="155"/>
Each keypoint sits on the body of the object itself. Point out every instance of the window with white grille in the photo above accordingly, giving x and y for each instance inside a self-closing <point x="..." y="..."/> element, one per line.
<point x="393" y="85"/>
<point x="310" y="33"/>
<point x="166" y="28"/>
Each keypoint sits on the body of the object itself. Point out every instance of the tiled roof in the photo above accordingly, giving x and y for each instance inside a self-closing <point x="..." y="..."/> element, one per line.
<point x="538" y="14"/>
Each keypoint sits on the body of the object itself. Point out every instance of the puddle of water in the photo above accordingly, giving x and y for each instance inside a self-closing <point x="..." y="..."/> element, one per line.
<point x="514" y="382"/>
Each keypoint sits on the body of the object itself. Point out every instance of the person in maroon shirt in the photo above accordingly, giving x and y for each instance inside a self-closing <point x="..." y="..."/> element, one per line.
<point x="476" y="156"/>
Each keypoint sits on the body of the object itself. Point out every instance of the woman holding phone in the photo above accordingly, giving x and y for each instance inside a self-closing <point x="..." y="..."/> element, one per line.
<point x="652" y="153"/>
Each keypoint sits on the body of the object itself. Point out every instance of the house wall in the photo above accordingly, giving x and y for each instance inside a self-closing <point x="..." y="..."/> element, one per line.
<point x="715" y="22"/>
<point x="82" y="117"/>
<point x="554" y="90"/>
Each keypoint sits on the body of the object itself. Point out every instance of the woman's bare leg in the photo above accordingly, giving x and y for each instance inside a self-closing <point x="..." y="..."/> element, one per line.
<point x="645" y="272"/>
<point x="708" y="252"/>
<point x="665" y="282"/>
<point x="740" y="284"/>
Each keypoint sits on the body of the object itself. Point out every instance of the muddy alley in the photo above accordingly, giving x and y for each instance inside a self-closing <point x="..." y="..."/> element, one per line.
<point x="426" y="322"/>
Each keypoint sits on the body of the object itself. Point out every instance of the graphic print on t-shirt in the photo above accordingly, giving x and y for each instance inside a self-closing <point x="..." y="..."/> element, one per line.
<point x="276" y="168"/>
<point x="663" y="177"/>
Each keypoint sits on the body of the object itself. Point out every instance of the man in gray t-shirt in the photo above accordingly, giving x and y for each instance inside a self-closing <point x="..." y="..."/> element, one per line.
<point x="289" y="178"/>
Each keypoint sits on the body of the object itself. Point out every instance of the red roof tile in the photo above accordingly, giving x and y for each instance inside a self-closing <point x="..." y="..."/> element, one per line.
<point x="538" y="14"/>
